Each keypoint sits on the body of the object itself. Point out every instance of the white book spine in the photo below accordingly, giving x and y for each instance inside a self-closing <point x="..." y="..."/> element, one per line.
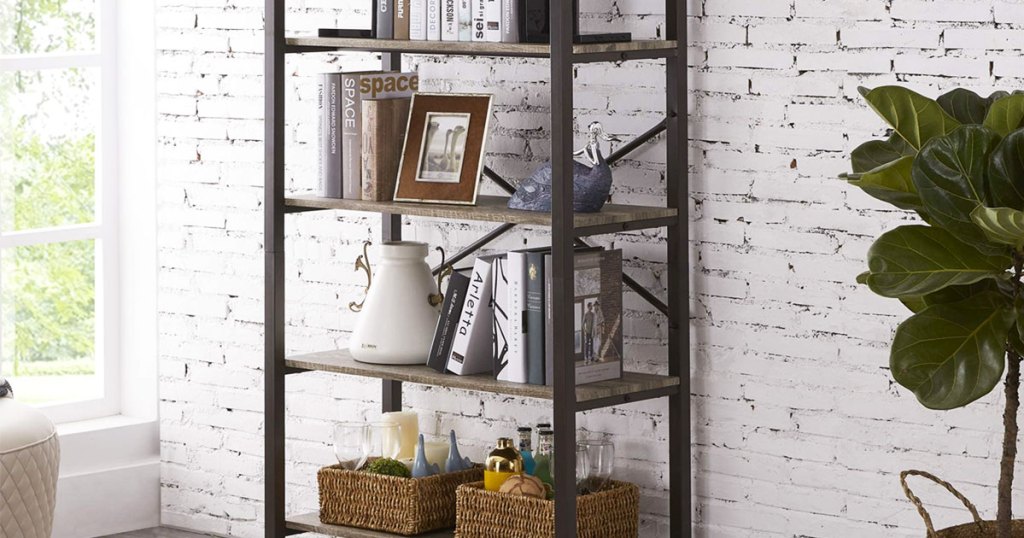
<point x="433" y="20"/>
<point x="471" y="346"/>
<point x="516" y="367"/>
<point x="479" y="20"/>
<point x="449" y="20"/>
<point x="465" y="20"/>
<point x="418" y="20"/>
<point x="492" y="21"/>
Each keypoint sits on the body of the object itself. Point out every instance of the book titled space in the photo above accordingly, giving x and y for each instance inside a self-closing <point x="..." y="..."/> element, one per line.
<point x="357" y="87"/>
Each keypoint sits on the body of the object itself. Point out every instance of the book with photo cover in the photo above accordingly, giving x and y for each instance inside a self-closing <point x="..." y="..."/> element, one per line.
<point x="357" y="87"/>
<point x="492" y="21"/>
<point x="597" y="314"/>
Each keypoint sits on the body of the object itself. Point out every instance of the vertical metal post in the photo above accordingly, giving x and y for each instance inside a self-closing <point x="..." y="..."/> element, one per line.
<point x="677" y="178"/>
<point x="391" y="230"/>
<point x="273" y="245"/>
<point x="562" y="236"/>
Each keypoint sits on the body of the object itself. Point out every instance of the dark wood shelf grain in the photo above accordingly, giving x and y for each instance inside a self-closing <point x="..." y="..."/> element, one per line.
<point x="341" y="362"/>
<point x="581" y="53"/>
<point x="613" y="217"/>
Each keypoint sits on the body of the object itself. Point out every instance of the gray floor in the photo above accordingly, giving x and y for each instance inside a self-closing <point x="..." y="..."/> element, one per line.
<point x="162" y="532"/>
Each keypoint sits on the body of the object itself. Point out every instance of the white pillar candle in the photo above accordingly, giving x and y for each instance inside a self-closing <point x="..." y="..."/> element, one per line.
<point x="409" y="431"/>
<point x="437" y="452"/>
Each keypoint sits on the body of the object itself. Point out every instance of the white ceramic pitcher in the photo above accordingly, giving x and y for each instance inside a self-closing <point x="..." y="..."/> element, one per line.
<point x="397" y="318"/>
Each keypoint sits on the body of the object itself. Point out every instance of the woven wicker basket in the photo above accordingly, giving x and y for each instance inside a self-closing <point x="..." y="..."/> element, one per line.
<point x="404" y="506"/>
<point x="978" y="529"/>
<point x="612" y="513"/>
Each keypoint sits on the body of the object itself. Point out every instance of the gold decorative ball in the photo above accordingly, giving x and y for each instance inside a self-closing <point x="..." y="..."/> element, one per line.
<point x="529" y="486"/>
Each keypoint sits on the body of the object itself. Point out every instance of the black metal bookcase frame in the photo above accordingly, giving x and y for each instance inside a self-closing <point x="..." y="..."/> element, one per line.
<point x="565" y="235"/>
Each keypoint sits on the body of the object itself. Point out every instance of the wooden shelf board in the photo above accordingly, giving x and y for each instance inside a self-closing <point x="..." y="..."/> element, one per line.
<point x="668" y="47"/>
<point x="311" y="523"/>
<point x="341" y="362"/>
<point x="490" y="209"/>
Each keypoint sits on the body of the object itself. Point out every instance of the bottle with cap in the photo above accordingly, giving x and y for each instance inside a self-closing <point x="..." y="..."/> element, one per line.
<point x="544" y="457"/>
<point x="526" y="449"/>
<point x="503" y="462"/>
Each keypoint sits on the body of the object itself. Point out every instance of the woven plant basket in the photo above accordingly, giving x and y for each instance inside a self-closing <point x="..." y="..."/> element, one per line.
<point x="405" y="506"/>
<point x="612" y="513"/>
<point x="978" y="529"/>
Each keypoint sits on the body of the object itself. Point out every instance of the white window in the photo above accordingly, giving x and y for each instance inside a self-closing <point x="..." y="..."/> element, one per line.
<point x="58" y="206"/>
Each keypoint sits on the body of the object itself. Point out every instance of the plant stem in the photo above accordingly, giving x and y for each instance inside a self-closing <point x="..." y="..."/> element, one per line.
<point x="1004" y="515"/>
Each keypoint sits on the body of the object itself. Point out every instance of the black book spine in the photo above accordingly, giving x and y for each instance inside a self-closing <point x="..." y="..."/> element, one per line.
<point x="385" y="19"/>
<point x="535" y="342"/>
<point x="451" y="309"/>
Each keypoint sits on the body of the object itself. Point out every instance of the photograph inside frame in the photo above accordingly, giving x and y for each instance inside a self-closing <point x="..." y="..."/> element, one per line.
<point x="443" y="148"/>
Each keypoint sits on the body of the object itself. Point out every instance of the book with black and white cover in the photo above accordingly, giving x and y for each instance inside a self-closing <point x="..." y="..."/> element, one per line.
<point x="466" y="20"/>
<point x="401" y="19"/>
<point x="471" y="345"/>
<point x="355" y="88"/>
<point x="330" y="182"/>
<point x="510" y="20"/>
<point x="433" y="20"/>
<point x="514" y="367"/>
<point x="418" y="20"/>
<point x="451" y="309"/>
<point x="505" y="369"/>
<point x="449" y="20"/>
<point x="385" y="19"/>
<point x="597" y="306"/>
<point x="492" y="21"/>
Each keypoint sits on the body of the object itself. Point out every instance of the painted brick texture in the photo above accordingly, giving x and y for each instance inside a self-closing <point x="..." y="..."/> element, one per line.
<point x="798" y="428"/>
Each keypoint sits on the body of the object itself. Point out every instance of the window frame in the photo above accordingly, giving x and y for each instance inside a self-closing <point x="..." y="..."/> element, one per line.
<point x="104" y="228"/>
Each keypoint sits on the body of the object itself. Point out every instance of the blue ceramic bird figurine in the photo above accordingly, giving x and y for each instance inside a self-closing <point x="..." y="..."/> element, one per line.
<point x="591" y="184"/>
<point x="455" y="460"/>
<point x="420" y="466"/>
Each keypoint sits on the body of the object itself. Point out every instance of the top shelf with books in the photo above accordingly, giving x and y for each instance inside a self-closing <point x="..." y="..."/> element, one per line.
<point x="582" y="53"/>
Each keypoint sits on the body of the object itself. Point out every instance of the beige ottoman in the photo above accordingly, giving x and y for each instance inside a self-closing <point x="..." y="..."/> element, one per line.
<point x="29" y="461"/>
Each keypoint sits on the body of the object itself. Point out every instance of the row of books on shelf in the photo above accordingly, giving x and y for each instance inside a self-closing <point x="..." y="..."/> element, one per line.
<point x="495" y="21"/>
<point x="363" y="118"/>
<point x="496" y="318"/>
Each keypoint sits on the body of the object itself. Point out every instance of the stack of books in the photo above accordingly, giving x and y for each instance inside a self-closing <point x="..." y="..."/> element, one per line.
<point x="497" y="316"/>
<point x="363" y="117"/>
<point x="496" y="21"/>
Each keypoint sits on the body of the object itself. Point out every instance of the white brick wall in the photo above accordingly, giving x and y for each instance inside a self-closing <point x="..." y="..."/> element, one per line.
<point x="798" y="428"/>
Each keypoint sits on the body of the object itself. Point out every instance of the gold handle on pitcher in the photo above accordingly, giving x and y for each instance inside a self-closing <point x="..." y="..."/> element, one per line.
<point x="446" y="270"/>
<point x="363" y="262"/>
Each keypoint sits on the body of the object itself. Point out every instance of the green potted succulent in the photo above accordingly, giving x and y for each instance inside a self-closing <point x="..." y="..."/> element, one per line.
<point x="958" y="162"/>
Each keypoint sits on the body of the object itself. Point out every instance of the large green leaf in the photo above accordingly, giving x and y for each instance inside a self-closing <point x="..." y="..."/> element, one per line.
<point x="918" y="260"/>
<point x="964" y="105"/>
<point x="890" y="183"/>
<point x="916" y="118"/>
<point x="950" y="174"/>
<point x="952" y="294"/>
<point x="1006" y="114"/>
<point x="1001" y="225"/>
<point x="1006" y="172"/>
<point x="872" y="154"/>
<point x="953" y="354"/>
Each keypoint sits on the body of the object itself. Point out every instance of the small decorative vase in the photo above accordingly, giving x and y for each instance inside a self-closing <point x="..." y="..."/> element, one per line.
<point x="591" y="184"/>
<point x="397" y="318"/>
<point x="503" y="462"/>
<point x="420" y="466"/>
<point x="455" y="461"/>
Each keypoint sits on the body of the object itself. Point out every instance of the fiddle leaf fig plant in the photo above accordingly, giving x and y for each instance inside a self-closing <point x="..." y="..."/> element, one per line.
<point x="958" y="162"/>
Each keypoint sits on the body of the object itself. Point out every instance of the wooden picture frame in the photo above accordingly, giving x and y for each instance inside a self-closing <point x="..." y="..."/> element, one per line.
<point x="443" y="155"/>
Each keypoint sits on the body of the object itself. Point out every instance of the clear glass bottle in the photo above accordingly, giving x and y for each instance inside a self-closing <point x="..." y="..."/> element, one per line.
<point x="544" y="459"/>
<point x="526" y="449"/>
